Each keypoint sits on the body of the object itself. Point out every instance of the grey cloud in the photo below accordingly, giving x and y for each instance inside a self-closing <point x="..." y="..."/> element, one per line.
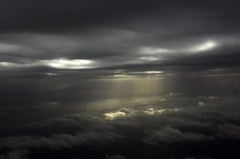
<point x="229" y="131"/>
<point x="57" y="15"/>
<point x="128" y="27"/>
<point x="57" y="141"/>
<point x="170" y="135"/>
<point x="177" y="119"/>
<point x="119" y="52"/>
<point x="17" y="154"/>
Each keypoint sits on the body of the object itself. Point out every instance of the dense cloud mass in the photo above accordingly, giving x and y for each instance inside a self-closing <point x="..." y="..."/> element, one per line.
<point x="158" y="129"/>
<point x="119" y="79"/>
<point x="89" y="34"/>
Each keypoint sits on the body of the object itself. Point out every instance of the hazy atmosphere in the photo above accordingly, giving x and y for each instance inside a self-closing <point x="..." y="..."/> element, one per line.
<point x="136" y="79"/>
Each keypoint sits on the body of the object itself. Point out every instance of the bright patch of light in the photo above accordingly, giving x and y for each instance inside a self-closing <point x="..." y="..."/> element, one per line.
<point x="119" y="76"/>
<point x="150" y="58"/>
<point x="213" y="97"/>
<point x="54" y="63"/>
<point x="119" y="71"/>
<point x="68" y="64"/>
<point x="209" y="45"/>
<point x="7" y="64"/>
<point x="173" y="94"/>
<point x="195" y="48"/>
<point x="153" y="72"/>
<point x="114" y="115"/>
<point x="14" y="65"/>
<point x="51" y="74"/>
<point x="153" y="50"/>
<point x="152" y="111"/>
<point x="201" y="104"/>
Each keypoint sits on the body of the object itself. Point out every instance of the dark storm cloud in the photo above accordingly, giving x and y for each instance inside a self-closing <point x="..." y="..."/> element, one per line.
<point x="53" y="15"/>
<point x="18" y="154"/>
<point x="116" y="34"/>
<point x="118" y="48"/>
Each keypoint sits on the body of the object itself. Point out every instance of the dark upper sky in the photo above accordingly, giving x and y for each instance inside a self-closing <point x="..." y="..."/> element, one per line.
<point x="78" y="34"/>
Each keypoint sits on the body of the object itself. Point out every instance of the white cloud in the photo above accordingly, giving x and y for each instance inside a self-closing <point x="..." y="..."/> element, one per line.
<point x="201" y="104"/>
<point x="205" y="46"/>
<point x="114" y="115"/>
<point x="152" y="111"/>
<point x="63" y="63"/>
<point x="195" y="48"/>
<point x="149" y="58"/>
<point x="153" y="72"/>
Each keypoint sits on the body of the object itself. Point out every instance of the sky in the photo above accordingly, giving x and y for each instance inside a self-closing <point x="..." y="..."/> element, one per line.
<point x="88" y="34"/>
<point x="119" y="79"/>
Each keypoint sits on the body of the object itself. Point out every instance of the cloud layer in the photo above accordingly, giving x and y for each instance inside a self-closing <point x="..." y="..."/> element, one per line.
<point x="140" y="34"/>
<point x="216" y="123"/>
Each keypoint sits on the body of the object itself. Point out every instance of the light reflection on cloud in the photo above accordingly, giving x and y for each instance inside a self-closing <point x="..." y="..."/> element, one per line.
<point x="130" y="85"/>
<point x="114" y="115"/>
<point x="126" y="112"/>
<point x="119" y="103"/>
<point x="153" y="50"/>
<point x="146" y="54"/>
<point x="208" y="45"/>
<point x="68" y="64"/>
<point x="149" y="58"/>
<point x="51" y="74"/>
<point x="119" y="76"/>
<point x="8" y="64"/>
<point x="195" y="48"/>
<point x="152" y="111"/>
<point x="153" y="72"/>
<point x="61" y="63"/>
<point x="201" y="104"/>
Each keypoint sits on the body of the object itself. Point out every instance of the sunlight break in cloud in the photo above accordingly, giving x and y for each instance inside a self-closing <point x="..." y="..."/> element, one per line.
<point x="114" y="115"/>
<point x="204" y="46"/>
<point x="12" y="65"/>
<point x="68" y="64"/>
<point x="208" y="45"/>
<point x="61" y="63"/>
<point x="152" y="111"/>
<point x="153" y="72"/>
<point x="153" y="50"/>
<point x="8" y="64"/>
